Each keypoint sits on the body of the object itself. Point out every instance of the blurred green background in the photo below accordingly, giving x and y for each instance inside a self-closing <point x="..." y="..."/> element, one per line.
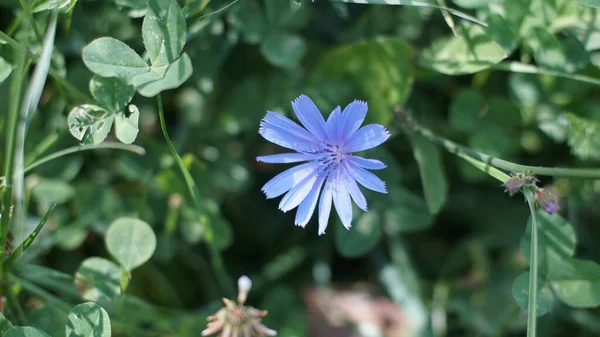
<point x="444" y="269"/>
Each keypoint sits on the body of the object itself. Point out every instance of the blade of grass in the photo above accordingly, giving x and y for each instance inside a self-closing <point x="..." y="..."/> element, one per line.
<point x="447" y="16"/>
<point x="517" y="67"/>
<point x="29" y="240"/>
<point x="31" y="100"/>
<point x="416" y="4"/>
<point x="107" y="145"/>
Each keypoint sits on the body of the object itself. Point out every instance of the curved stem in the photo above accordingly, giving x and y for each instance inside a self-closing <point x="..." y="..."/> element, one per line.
<point x="216" y="260"/>
<point x="118" y="146"/>
<point x="523" y="68"/>
<point x="533" y="273"/>
<point x="504" y="164"/>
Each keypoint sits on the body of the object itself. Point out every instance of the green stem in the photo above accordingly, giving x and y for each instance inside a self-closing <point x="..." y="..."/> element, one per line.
<point x="216" y="259"/>
<point x="13" y="118"/>
<point x="118" y="146"/>
<point x="517" y="67"/>
<point x="504" y="164"/>
<point x="533" y="273"/>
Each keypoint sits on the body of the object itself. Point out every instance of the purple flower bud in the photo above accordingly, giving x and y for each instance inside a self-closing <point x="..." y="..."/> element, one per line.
<point x="513" y="185"/>
<point x="547" y="201"/>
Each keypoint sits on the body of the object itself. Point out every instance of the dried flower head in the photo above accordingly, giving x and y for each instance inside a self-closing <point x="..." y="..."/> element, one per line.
<point x="237" y="320"/>
<point x="518" y="181"/>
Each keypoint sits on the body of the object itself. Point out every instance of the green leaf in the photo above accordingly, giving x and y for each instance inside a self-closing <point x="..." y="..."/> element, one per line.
<point x="575" y="53"/>
<point x="520" y="292"/>
<point x="131" y="241"/>
<point x="490" y="139"/>
<point x="126" y="126"/>
<point x="163" y="31"/>
<point x="577" y="282"/>
<point x="583" y="136"/>
<point x="88" y="320"/>
<point x="500" y="31"/>
<point x="111" y="92"/>
<point x="283" y="49"/>
<point x="172" y="76"/>
<point x="405" y="212"/>
<point x="503" y="112"/>
<point x="556" y="240"/>
<point x="25" y="331"/>
<point x="433" y="178"/>
<point x="248" y="18"/>
<point x="5" y="69"/>
<point x="97" y="279"/>
<point x="45" y="5"/>
<point x="361" y="238"/>
<point x="547" y="51"/>
<point x="590" y="3"/>
<point x="90" y="122"/>
<point x="5" y="324"/>
<point x="381" y="69"/>
<point x="53" y="191"/>
<point x="109" y="57"/>
<point x="281" y="15"/>
<point x="465" y="110"/>
<point x="467" y="53"/>
<point x="70" y="237"/>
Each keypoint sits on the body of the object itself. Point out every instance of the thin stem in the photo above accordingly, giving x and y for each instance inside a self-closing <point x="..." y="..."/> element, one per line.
<point x="216" y="260"/>
<point x="533" y="273"/>
<point x="504" y="164"/>
<point x="13" y="119"/>
<point x="118" y="146"/>
<point x="517" y="67"/>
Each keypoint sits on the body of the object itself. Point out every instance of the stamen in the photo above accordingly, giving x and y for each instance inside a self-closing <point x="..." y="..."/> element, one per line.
<point x="329" y="157"/>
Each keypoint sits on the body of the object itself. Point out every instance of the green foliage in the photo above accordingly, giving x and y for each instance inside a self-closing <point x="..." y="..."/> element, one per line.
<point x="364" y="237"/>
<point x="163" y="33"/>
<point x="379" y="69"/>
<point x="469" y="52"/>
<point x="433" y="177"/>
<point x="154" y="241"/>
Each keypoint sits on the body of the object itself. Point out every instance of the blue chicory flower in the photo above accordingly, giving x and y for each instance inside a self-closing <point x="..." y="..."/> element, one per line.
<point x="327" y="147"/>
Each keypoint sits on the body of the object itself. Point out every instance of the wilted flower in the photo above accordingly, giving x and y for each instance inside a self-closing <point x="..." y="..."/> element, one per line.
<point x="547" y="201"/>
<point x="327" y="147"/>
<point x="516" y="182"/>
<point x="513" y="185"/>
<point x="237" y="320"/>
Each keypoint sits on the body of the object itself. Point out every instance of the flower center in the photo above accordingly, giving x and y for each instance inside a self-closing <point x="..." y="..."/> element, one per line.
<point x="329" y="158"/>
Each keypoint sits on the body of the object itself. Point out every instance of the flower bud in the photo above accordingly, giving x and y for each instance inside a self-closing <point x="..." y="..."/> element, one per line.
<point x="547" y="201"/>
<point x="513" y="185"/>
<point x="244" y="285"/>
